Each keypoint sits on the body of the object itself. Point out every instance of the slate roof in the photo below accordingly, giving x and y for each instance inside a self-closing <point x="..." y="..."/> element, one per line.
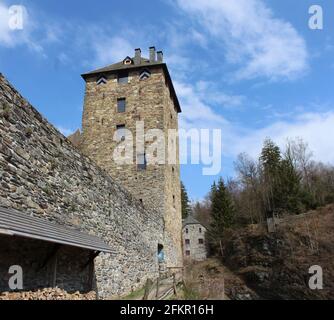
<point x="15" y="223"/>
<point x="189" y="220"/>
<point x="144" y="63"/>
<point x="121" y="66"/>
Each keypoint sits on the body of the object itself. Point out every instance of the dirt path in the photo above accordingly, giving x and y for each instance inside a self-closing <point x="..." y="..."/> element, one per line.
<point x="211" y="280"/>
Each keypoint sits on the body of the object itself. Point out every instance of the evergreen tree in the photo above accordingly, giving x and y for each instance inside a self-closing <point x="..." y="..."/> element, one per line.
<point x="290" y="187"/>
<point x="270" y="160"/>
<point x="222" y="213"/>
<point x="184" y="202"/>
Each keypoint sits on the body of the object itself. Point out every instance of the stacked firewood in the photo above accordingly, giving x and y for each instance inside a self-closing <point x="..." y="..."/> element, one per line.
<point x="47" y="294"/>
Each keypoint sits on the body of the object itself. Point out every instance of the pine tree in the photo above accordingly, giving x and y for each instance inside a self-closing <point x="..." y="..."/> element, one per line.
<point x="290" y="187"/>
<point x="184" y="202"/>
<point x="222" y="212"/>
<point x="270" y="160"/>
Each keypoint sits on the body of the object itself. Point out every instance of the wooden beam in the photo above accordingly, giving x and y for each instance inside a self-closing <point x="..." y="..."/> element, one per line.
<point x="52" y="253"/>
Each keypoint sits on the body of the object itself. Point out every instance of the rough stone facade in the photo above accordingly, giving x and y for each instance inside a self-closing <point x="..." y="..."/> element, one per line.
<point x="148" y="101"/>
<point x="44" y="175"/>
<point x="194" y="241"/>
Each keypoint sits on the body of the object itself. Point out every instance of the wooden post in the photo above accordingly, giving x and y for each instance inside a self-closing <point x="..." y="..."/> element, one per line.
<point x="157" y="293"/>
<point x="54" y="274"/>
<point x="91" y="275"/>
<point x="174" y="284"/>
<point x="221" y="248"/>
<point x="148" y="286"/>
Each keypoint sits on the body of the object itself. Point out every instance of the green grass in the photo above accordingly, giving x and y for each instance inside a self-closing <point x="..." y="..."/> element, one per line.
<point x="138" y="294"/>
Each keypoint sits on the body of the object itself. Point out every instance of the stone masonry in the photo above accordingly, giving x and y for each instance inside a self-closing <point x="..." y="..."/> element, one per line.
<point x="150" y="100"/>
<point x="194" y="240"/>
<point x="44" y="175"/>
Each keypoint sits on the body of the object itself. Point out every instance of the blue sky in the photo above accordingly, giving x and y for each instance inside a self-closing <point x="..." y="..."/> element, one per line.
<point x="252" y="68"/>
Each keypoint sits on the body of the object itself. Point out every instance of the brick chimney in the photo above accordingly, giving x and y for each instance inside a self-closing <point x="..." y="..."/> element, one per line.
<point x="137" y="59"/>
<point x="160" y="56"/>
<point x="152" y="54"/>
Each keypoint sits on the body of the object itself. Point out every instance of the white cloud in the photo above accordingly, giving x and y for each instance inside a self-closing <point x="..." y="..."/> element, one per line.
<point x="196" y="113"/>
<point x="11" y="38"/>
<point x="110" y="50"/>
<point x="5" y="32"/>
<point x="209" y="92"/>
<point x="253" y="39"/>
<point x="314" y="128"/>
<point x="65" y="131"/>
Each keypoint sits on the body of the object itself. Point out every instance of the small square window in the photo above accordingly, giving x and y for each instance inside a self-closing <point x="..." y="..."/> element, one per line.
<point x="187" y="252"/>
<point x="200" y="241"/>
<point x="187" y="230"/>
<point x="121" y="105"/>
<point x="123" y="77"/>
<point x="141" y="161"/>
<point x="187" y="241"/>
<point x="200" y="230"/>
<point x="120" y="131"/>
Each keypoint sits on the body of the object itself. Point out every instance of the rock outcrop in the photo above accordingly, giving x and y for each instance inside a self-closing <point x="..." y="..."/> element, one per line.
<point x="276" y="265"/>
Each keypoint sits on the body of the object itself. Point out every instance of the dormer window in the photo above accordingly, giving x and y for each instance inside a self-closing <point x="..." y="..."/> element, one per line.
<point x="123" y="77"/>
<point x="101" y="80"/>
<point x="145" y="74"/>
<point x="127" y="61"/>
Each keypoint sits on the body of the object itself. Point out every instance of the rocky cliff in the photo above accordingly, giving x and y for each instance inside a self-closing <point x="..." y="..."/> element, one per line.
<point x="276" y="265"/>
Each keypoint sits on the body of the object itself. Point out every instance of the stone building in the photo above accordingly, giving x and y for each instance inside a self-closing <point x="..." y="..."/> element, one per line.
<point x="194" y="241"/>
<point x="127" y="105"/>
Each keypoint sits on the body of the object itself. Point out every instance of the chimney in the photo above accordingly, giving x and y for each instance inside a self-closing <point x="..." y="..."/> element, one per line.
<point x="137" y="59"/>
<point x="160" y="56"/>
<point x="152" y="54"/>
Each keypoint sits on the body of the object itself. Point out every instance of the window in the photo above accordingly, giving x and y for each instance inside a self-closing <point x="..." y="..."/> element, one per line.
<point x="200" y="230"/>
<point x="187" y="241"/>
<point x="101" y="80"/>
<point x="120" y="131"/>
<point x="174" y="201"/>
<point x="187" y="230"/>
<point x="200" y="241"/>
<point x="123" y="77"/>
<point x="145" y="74"/>
<point x="141" y="161"/>
<point x="187" y="252"/>
<point x="121" y="105"/>
<point x="127" y="61"/>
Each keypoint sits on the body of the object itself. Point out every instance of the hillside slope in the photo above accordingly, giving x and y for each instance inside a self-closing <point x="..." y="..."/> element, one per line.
<point x="275" y="265"/>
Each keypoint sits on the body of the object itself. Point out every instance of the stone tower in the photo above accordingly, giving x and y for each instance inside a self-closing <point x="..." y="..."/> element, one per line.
<point x="123" y="101"/>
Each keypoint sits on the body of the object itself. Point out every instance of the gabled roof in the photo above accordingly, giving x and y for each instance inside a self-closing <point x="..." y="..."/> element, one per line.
<point x="15" y="223"/>
<point x="121" y="66"/>
<point x="190" y="220"/>
<point x="144" y="63"/>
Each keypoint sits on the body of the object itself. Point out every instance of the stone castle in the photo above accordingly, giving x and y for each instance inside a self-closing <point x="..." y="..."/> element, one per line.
<point x="76" y="219"/>
<point x="119" y="97"/>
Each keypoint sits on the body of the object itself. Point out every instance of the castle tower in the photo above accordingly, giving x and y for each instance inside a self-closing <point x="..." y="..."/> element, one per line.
<point x="128" y="95"/>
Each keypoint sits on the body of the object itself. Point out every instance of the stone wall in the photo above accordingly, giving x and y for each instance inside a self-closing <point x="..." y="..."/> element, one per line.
<point x="42" y="174"/>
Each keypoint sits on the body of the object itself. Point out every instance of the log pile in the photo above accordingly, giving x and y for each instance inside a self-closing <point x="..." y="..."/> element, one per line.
<point x="47" y="294"/>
